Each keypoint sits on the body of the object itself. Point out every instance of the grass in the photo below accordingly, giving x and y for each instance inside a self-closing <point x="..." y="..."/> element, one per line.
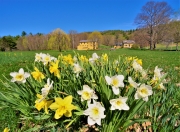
<point x="12" y="61"/>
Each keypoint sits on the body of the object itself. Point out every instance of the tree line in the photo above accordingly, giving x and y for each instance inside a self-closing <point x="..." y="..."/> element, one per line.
<point x="59" y="40"/>
<point x="155" y="25"/>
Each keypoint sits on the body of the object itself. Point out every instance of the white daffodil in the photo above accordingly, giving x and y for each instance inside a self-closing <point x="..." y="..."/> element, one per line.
<point x="161" y="86"/>
<point x="137" y="66"/>
<point x="95" y="113"/>
<point x="19" y="77"/>
<point x="132" y="83"/>
<point x="77" y="69"/>
<point x="46" y="58"/>
<point x="53" y="59"/>
<point x="119" y="103"/>
<point x="116" y="82"/>
<point x="75" y="59"/>
<point x="144" y="73"/>
<point x="94" y="58"/>
<point x="47" y="88"/>
<point x="143" y="92"/>
<point x="38" y="57"/>
<point x="157" y="72"/>
<point x="87" y="93"/>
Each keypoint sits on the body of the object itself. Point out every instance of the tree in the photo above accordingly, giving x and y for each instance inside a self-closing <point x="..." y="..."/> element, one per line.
<point x="152" y="15"/>
<point x="8" y="42"/>
<point x="140" y="36"/>
<point x="58" y="40"/>
<point x="108" y="40"/>
<point x="95" y="36"/>
<point x="73" y="38"/>
<point x="23" y="33"/>
<point x="176" y="32"/>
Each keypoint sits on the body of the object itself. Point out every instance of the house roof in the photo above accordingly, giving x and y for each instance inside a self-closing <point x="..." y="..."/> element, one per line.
<point x="118" y="44"/>
<point x="128" y="41"/>
<point x="86" y="41"/>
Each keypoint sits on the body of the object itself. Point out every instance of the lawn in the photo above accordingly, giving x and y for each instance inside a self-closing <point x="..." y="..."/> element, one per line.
<point x="12" y="61"/>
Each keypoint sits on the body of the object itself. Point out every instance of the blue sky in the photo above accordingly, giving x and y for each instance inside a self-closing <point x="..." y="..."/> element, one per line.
<point x="81" y="15"/>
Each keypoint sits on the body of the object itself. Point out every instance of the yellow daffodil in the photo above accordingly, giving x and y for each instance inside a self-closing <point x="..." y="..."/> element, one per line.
<point x="62" y="107"/>
<point x="68" y="59"/>
<point x="105" y="57"/>
<point x="54" y="68"/>
<point x="6" y="129"/>
<point x="37" y="75"/>
<point x="83" y="58"/>
<point x="139" y="61"/>
<point x="42" y="103"/>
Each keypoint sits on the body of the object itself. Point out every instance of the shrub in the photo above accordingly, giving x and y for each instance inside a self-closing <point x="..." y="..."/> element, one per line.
<point x="135" y="46"/>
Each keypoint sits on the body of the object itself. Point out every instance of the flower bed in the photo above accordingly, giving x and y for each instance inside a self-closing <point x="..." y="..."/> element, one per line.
<point x="73" y="93"/>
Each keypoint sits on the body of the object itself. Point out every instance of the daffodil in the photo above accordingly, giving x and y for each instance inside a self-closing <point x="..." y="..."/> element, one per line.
<point x="119" y="103"/>
<point x="46" y="58"/>
<point x="6" y="129"/>
<point x="54" y="68"/>
<point x="144" y="73"/>
<point x="143" y="92"/>
<point x="95" y="113"/>
<point x="132" y="83"/>
<point x="42" y="103"/>
<point x="75" y="59"/>
<point x="37" y="75"/>
<point x="161" y="86"/>
<point x="105" y="57"/>
<point x="83" y="58"/>
<point x="38" y="57"/>
<point x="68" y="59"/>
<point x="19" y="77"/>
<point x="87" y="93"/>
<point x="139" y="61"/>
<point x="94" y="58"/>
<point x="136" y="66"/>
<point x="116" y="82"/>
<point x="47" y="87"/>
<point x="157" y="72"/>
<point x="77" y="69"/>
<point x="62" y="107"/>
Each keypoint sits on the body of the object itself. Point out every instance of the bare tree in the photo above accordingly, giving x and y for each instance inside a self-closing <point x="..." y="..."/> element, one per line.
<point x="73" y="38"/>
<point x="108" y="40"/>
<point x="152" y="15"/>
<point x="141" y="37"/>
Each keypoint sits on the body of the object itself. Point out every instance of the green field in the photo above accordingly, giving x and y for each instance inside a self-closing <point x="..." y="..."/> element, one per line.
<point x="12" y="61"/>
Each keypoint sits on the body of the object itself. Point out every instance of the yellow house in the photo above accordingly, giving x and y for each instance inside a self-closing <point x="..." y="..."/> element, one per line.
<point x="118" y="45"/>
<point x="87" y="45"/>
<point x="128" y="43"/>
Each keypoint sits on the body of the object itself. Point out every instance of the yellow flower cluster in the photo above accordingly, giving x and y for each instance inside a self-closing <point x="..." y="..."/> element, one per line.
<point x="139" y="61"/>
<point x="83" y="58"/>
<point x="67" y="59"/>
